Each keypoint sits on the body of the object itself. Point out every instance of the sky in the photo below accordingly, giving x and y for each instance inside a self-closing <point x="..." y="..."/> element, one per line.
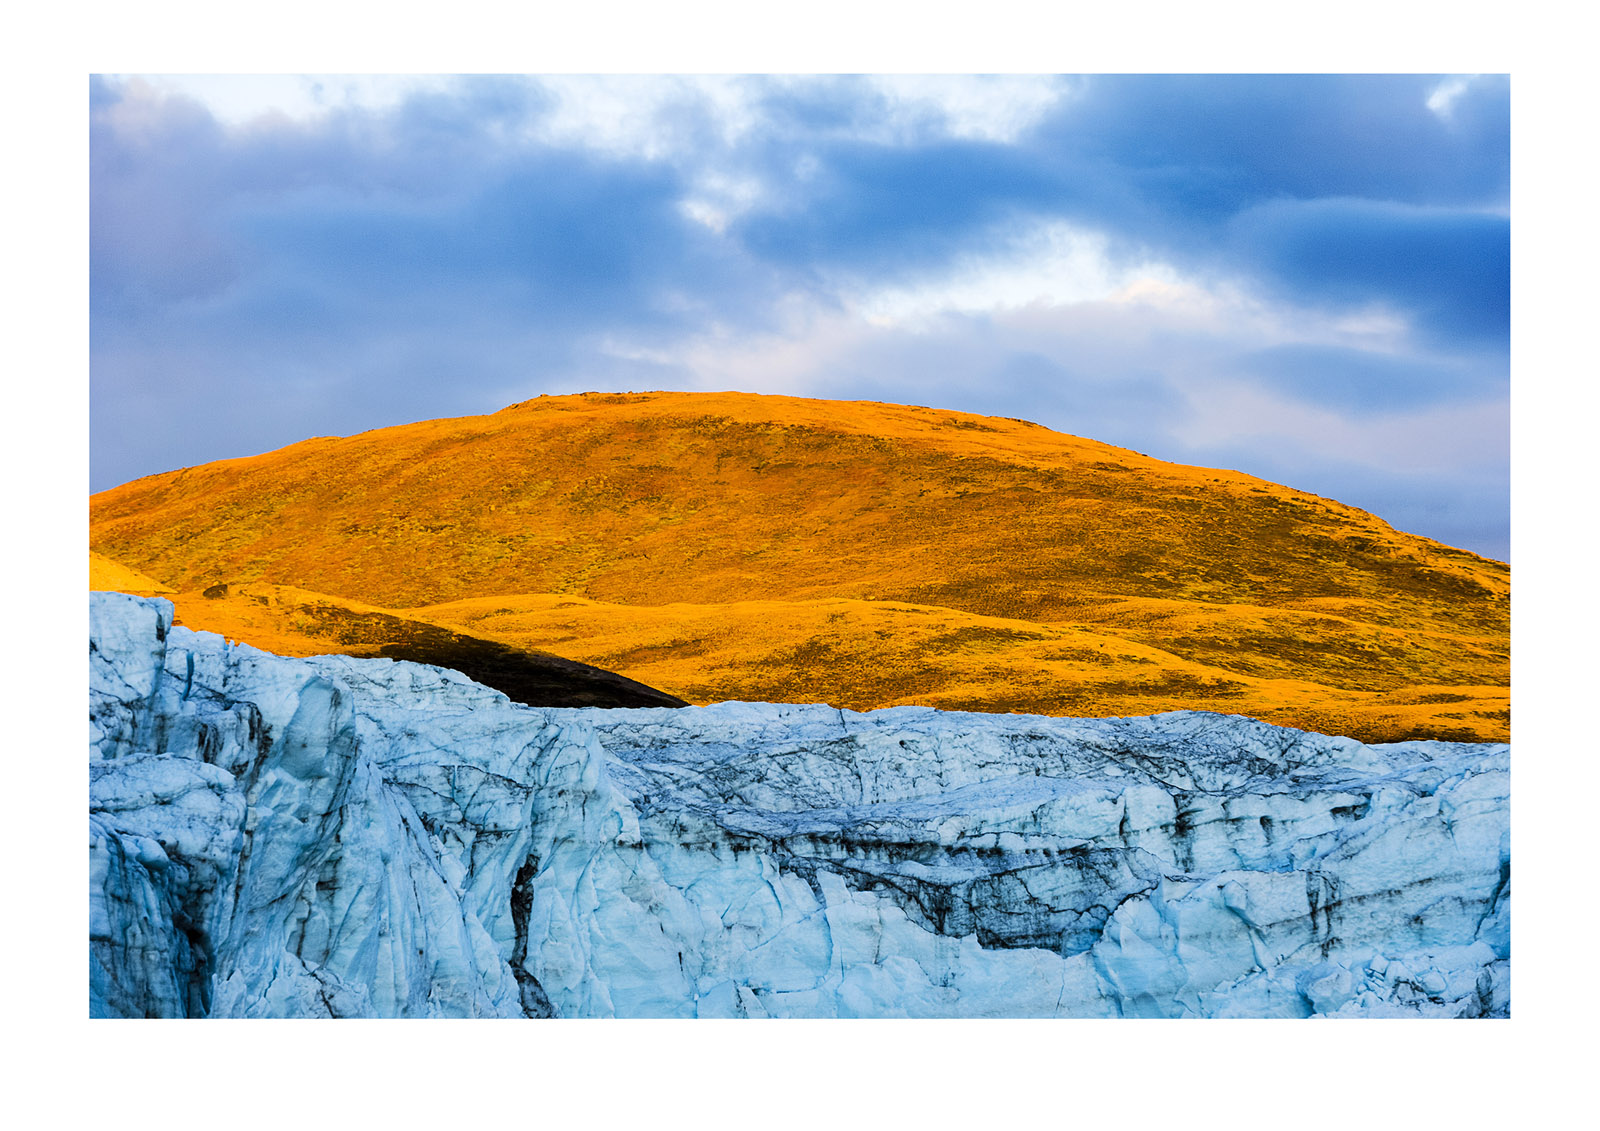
<point x="1306" y="278"/>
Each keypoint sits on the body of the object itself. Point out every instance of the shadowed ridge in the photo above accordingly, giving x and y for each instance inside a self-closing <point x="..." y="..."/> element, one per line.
<point x="535" y="678"/>
<point x="292" y="622"/>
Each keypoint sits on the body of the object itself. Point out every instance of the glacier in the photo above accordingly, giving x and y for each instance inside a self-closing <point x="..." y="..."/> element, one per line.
<point x="338" y="837"/>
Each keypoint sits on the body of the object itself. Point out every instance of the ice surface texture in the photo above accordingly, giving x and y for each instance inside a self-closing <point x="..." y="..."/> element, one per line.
<point x="277" y="837"/>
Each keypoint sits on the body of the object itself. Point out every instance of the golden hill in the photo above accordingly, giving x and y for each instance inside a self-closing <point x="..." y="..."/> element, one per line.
<point x="738" y="546"/>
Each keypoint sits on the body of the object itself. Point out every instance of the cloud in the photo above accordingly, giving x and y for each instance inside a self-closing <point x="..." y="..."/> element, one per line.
<point x="1049" y="264"/>
<point x="998" y="108"/>
<point x="1368" y="382"/>
<point x="1449" y="269"/>
<point x="1205" y="147"/>
<point x="1442" y="99"/>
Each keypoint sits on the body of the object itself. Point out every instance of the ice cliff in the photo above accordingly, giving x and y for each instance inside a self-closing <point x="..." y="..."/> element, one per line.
<point x="277" y="837"/>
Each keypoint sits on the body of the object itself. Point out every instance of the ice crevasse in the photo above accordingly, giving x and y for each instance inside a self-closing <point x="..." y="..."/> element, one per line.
<point x="337" y="837"/>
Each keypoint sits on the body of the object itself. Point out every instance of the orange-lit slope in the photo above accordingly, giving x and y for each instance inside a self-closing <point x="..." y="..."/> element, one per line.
<point x="107" y="574"/>
<point x="733" y="499"/>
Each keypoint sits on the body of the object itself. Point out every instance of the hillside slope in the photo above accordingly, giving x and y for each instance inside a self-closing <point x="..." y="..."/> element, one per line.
<point x="105" y="574"/>
<point x="739" y="546"/>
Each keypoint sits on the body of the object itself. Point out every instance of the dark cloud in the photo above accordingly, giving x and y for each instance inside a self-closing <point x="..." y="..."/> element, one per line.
<point x="559" y="237"/>
<point x="880" y="210"/>
<point x="1449" y="269"/>
<point x="1202" y="148"/>
<point x="427" y="198"/>
<point x="1335" y="190"/>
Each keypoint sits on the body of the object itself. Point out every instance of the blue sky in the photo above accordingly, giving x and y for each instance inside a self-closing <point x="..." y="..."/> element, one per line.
<point x="1303" y="277"/>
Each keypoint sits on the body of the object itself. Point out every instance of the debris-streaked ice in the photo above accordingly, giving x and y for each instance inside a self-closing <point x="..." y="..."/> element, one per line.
<point x="337" y="837"/>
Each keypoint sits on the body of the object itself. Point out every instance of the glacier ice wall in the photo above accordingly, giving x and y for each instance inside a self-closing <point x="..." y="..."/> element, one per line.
<point x="278" y="837"/>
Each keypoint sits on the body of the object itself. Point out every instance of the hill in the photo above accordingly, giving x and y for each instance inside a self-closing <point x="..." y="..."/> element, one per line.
<point x="721" y="545"/>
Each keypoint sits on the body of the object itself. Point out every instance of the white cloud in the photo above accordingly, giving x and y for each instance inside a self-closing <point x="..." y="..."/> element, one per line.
<point x="1053" y="264"/>
<point x="995" y="108"/>
<point x="718" y="198"/>
<point x="664" y="117"/>
<point x="1057" y="278"/>
<point x="812" y="339"/>
<point x="1442" y="98"/>
<point x="238" y="100"/>
<point x="634" y="115"/>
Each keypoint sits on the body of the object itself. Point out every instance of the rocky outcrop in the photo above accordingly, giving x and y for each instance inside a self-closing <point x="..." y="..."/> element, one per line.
<point x="342" y="837"/>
